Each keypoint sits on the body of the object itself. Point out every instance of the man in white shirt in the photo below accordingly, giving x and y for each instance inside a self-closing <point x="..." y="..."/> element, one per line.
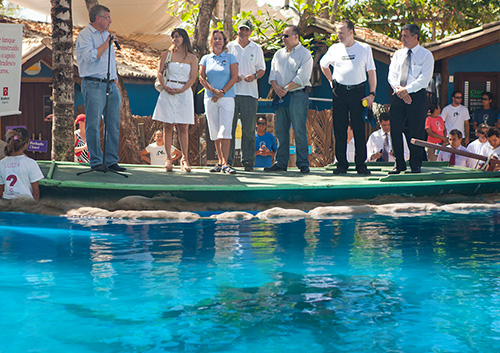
<point x="477" y="145"/>
<point x="410" y="72"/>
<point x="456" y="116"/>
<point x="455" y="141"/>
<point x="92" y="57"/>
<point x="379" y="145"/>
<point x="493" y="145"/>
<point x="251" y="67"/>
<point x="351" y="62"/>
<point x="290" y="75"/>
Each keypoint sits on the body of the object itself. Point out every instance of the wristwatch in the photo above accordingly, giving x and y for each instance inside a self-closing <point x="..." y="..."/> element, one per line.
<point x="373" y="93"/>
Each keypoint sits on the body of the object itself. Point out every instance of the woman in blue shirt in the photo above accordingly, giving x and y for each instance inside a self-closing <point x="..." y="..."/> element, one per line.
<point x="218" y="74"/>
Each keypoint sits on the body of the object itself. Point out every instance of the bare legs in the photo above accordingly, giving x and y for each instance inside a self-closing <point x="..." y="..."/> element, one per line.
<point x="183" y="131"/>
<point x="222" y="147"/>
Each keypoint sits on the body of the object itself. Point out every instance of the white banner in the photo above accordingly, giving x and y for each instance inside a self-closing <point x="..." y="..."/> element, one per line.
<point x="11" y="44"/>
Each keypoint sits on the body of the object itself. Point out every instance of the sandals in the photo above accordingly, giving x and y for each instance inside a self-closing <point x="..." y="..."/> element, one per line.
<point x="169" y="166"/>
<point x="216" y="169"/>
<point x="185" y="167"/>
<point x="228" y="170"/>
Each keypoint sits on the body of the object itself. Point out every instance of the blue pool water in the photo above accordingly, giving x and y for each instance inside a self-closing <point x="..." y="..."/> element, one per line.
<point x="370" y="284"/>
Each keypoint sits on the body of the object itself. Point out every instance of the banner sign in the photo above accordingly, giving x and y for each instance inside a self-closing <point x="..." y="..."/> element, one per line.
<point x="38" y="145"/>
<point x="11" y="43"/>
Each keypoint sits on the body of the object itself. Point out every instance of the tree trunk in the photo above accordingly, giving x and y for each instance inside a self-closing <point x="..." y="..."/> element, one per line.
<point x="335" y="7"/>
<point x="325" y="15"/>
<point x="203" y="27"/>
<point x="228" y="19"/>
<point x="62" y="79"/>
<point x="304" y="18"/>
<point x="91" y="3"/>
<point x="129" y="150"/>
<point x="237" y="6"/>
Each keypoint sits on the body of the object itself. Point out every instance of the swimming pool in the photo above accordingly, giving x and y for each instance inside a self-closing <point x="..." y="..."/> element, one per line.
<point x="373" y="283"/>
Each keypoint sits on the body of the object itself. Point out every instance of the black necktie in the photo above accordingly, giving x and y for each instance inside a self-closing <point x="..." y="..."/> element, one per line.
<point x="405" y="69"/>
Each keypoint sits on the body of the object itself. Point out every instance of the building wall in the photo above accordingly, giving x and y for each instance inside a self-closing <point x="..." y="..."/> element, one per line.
<point x="486" y="59"/>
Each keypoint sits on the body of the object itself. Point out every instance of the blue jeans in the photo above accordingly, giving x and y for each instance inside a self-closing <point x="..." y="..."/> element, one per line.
<point x="94" y="95"/>
<point x="296" y="115"/>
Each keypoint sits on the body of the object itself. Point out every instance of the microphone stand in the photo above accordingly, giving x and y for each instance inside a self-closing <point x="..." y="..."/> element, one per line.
<point x="103" y="168"/>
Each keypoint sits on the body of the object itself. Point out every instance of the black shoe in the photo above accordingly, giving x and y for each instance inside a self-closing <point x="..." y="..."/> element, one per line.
<point x="248" y="167"/>
<point x="96" y="167"/>
<point x="275" y="168"/>
<point x="363" y="170"/>
<point x="115" y="167"/>
<point x="304" y="169"/>
<point x="396" y="171"/>
<point x="416" y="170"/>
<point x="339" y="171"/>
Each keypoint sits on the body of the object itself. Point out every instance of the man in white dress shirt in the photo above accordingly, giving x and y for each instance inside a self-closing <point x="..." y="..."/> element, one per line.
<point x="493" y="145"/>
<point x="251" y="67"/>
<point x="290" y="75"/>
<point x="455" y="141"/>
<point x="410" y="72"/>
<point x="351" y="62"/>
<point x="379" y="145"/>
<point x="477" y="145"/>
<point x="456" y="116"/>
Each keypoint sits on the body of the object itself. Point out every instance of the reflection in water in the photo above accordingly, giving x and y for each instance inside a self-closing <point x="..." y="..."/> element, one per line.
<point x="375" y="283"/>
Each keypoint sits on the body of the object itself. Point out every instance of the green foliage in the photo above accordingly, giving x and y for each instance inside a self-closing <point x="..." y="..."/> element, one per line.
<point x="446" y="16"/>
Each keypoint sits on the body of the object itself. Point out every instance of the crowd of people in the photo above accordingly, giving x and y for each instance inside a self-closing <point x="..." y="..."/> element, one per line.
<point x="229" y="75"/>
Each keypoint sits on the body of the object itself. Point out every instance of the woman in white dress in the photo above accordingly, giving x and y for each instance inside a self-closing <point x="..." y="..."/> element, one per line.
<point x="175" y="103"/>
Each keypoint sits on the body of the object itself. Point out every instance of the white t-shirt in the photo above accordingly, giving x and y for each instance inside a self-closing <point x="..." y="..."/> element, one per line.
<point x="16" y="174"/>
<point x="460" y="161"/>
<point x="455" y="117"/>
<point x="157" y="154"/>
<point x="476" y="146"/>
<point x="350" y="65"/>
<point x="487" y="150"/>
<point x="250" y="60"/>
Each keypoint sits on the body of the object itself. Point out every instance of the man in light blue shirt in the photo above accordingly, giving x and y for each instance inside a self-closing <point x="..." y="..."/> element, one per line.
<point x="291" y="70"/>
<point x="92" y="56"/>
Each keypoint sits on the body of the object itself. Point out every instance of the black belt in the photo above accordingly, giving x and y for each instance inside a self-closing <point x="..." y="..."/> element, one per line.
<point x="181" y="82"/>
<point x="348" y="87"/>
<point x="98" y="79"/>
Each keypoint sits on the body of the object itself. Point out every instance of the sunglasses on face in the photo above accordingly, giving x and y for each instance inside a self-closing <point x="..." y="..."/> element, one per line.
<point x="458" y="97"/>
<point x="285" y="36"/>
<point x="485" y="99"/>
<point x="261" y="123"/>
<point x="482" y="132"/>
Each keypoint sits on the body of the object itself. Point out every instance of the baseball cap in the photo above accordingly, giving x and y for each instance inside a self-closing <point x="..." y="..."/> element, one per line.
<point x="246" y="23"/>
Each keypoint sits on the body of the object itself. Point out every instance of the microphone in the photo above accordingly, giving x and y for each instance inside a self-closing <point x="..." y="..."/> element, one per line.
<point x="117" y="45"/>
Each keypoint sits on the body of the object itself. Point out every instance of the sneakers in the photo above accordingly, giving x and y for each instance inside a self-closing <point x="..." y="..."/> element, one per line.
<point x="228" y="170"/>
<point x="216" y="169"/>
<point x="275" y="168"/>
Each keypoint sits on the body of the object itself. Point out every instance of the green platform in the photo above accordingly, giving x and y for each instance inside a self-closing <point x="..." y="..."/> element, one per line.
<point x="251" y="187"/>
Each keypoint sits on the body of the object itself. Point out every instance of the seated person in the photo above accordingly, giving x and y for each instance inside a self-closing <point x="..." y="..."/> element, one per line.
<point x="156" y="151"/>
<point x="351" y="148"/>
<point x="493" y="145"/>
<point x="265" y="145"/>
<point x="476" y="145"/>
<point x="379" y="145"/>
<point x="81" y="149"/>
<point x="455" y="141"/>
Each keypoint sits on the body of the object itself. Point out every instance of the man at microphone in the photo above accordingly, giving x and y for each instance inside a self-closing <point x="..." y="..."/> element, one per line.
<point x="92" y="58"/>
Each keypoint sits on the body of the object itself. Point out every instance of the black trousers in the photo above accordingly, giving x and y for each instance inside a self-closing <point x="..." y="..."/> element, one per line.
<point x="416" y="114"/>
<point x="347" y="103"/>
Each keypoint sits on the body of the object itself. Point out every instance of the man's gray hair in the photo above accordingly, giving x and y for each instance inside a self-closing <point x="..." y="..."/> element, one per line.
<point x="413" y="28"/>
<point x="97" y="10"/>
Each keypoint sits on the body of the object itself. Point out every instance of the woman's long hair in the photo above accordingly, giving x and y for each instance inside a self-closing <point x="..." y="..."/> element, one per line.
<point x="16" y="139"/>
<point x="186" y="43"/>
